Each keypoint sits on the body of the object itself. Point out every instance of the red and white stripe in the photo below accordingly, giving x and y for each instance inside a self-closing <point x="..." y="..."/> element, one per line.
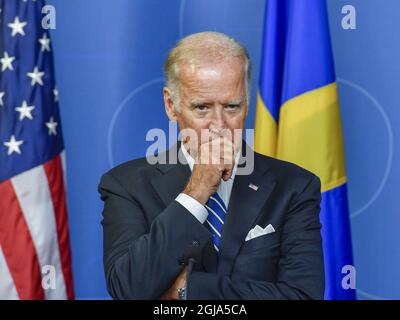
<point x="34" y="234"/>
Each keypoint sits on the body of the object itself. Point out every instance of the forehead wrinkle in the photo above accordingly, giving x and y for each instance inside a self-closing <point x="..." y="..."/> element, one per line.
<point x="216" y="83"/>
<point x="196" y="93"/>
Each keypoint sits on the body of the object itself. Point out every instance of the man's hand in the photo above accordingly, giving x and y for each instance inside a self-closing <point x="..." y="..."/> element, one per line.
<point x="172" y="292"/>
<point x="215" y="160"/>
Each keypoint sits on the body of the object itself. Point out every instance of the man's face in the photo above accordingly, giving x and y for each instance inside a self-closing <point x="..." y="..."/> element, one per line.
<point x="212" y="99"/>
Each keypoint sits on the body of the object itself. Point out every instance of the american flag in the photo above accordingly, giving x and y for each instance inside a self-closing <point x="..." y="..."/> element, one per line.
<point x="35" y="258"/>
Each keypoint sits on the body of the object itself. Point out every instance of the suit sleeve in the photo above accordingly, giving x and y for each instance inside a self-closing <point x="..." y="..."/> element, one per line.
<point x="141" y="261"/>
<point x="301" y="267"/>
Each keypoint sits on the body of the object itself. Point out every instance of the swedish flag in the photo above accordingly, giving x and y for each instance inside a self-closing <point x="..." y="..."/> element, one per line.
<point x="298" y="118"/>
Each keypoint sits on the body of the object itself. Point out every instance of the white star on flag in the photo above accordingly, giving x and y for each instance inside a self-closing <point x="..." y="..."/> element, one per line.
<point x="55" y="92"/>
<point x="6" y="62"/>
<point x="25" y="111"/>
<point x="13" y="145"/>
<point x="17" y="27"/>
<point x="52" y="126"/>
<point x="45" y="42"/>
<point x="36" y="76"/>
<point x="1" y="98"/>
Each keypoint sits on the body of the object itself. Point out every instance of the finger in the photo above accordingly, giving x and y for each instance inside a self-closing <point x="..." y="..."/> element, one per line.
<point x="228" y="157"/>
<point x="222" y="146"/>
<point x="228" y="146"/>
<point x="206" y="152"/>
<point x="226" y="175"/>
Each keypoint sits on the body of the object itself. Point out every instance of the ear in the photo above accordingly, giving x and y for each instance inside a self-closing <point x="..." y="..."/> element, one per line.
<point x="169" y="105"/>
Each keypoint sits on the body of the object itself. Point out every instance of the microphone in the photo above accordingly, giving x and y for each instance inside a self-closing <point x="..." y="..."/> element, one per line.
<point x="192" y="256"/>
<point x="190" y="265"/>
<point x="194" y="252"/>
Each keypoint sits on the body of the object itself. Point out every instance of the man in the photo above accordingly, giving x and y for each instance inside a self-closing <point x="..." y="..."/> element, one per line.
<point x="200" y="230"/>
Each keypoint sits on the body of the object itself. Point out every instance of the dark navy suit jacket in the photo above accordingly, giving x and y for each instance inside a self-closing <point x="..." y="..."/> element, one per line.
<point x="148" y="235"/>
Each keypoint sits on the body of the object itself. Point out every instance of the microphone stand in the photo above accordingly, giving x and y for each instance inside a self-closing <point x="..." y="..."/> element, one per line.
<point x="191" y="262"/>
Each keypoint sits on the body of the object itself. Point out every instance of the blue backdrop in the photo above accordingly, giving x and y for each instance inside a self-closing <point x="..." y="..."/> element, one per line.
<point x="108" y="61"/>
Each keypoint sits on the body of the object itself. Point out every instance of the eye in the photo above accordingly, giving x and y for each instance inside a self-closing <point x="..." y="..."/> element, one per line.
<point x="201" y="108"/>
<point x="232" y="107"/>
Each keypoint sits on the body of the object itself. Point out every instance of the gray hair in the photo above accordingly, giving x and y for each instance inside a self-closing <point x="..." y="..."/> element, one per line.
<point x="203" y="47"/>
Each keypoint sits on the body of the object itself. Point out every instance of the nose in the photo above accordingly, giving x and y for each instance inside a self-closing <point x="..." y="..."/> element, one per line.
<point x="218" y="123"/>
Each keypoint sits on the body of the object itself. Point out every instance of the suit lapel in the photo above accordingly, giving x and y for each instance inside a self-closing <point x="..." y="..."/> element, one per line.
<point x="168" y="186"/>
<point x="173" y="180"/>
<point x="244" y="207"/>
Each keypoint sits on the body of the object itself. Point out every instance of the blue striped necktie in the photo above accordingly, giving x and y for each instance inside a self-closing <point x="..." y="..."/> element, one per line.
<point x="216" y="216"/>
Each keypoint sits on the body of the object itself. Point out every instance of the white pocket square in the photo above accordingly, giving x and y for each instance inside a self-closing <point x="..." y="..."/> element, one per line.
<point x="257" y="231"/>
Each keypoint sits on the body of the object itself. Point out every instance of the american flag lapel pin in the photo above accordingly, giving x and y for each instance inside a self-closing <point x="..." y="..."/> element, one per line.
<point x="253" y="186"/>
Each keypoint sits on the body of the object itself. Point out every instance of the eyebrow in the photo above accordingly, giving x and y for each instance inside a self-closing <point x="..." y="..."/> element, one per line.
<point x="236" y="102"/>
<point x="205" y="102"/>
<point x="198" y="102"/>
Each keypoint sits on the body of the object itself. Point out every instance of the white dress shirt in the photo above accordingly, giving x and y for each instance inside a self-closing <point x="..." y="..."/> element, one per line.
<point x="224" y="191"/>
